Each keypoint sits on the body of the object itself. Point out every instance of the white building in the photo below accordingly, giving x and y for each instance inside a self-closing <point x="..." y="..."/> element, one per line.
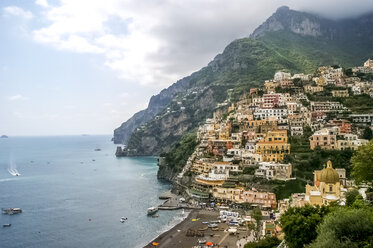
<point x="274" y="171"/>
<point x="281" y="76"/>
<point x="279" y="113"/>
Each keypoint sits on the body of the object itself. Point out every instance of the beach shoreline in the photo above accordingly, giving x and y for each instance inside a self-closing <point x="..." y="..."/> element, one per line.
<point x="169" y="232"/>
<point x="185" y="234"/>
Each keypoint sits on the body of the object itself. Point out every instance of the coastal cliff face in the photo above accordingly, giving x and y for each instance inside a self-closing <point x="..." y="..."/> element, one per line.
<point x="157" y="103"/>
<point x="289" y="39"/>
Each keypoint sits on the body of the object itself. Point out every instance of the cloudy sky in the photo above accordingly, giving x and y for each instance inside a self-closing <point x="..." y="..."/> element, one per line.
<point x="85" y="66"/>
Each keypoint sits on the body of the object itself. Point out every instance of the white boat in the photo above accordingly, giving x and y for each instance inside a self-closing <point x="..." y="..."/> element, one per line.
<point x="11" y="211"/>
<point x="123" y="219"/>
<point x="152" y="210"/>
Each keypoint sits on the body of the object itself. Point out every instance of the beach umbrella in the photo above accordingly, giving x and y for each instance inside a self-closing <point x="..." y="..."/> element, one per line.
<point x="209" y="243"/>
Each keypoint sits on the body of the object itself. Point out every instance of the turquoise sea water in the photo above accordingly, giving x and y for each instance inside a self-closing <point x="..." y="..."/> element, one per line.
<point x="73" y="196"/>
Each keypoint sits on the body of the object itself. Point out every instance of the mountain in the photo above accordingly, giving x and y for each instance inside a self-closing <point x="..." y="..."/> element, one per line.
<point x="291" y="40"/>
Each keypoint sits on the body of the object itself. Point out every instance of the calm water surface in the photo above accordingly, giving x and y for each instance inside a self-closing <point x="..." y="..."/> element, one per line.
<point x="74" y="196"/>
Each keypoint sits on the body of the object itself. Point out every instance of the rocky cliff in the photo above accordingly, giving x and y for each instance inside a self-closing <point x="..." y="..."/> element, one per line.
<point x="289" y="39"/>
<point x="346" y="30"/>
<point x="158" y="102"/>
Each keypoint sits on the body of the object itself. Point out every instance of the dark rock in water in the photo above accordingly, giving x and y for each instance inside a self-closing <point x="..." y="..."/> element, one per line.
<point x="124" y="152"/>
<point x="4" y="136"/>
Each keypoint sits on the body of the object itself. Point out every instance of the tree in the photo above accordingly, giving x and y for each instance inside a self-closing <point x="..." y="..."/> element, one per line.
<point x="368" y="134"/>
<point x="268" y="242"/>
<point x="362" y="164"/>
<point x="346" y="228"/>
<point x="299" y="224"/>
<point x="257" y="216"/>
<point x="351" y="196"/>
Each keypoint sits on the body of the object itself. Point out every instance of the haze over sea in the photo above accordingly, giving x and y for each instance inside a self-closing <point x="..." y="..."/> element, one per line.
<point x="74" y="196"/>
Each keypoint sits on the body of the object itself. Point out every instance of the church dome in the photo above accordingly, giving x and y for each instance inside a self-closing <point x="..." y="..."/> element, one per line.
<point x="329" y="175"/>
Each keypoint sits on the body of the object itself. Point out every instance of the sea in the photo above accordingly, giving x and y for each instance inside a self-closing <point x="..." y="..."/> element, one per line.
<point x="73" y="192"/>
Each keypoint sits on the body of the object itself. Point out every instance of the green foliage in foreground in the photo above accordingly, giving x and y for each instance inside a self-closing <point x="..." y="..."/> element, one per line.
<point x="351" y="196"/>
<point x="346" y="228"/>
<point x="268" y="242"/>
<point x="362" y="161"/>
<point x="299" y="224"/>
<point x="179" y="153"/>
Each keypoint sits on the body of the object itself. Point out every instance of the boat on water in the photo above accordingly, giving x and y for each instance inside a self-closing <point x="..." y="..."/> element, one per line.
<point x="7" y="225"/>
<point x="11" y="211"/>
<point x="152" y="210"/>
<point x="123" y="219"/>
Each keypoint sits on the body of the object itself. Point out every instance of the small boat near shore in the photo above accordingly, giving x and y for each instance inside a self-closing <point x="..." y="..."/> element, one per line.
<point x="152" y="210"/>
<point x="11" y="211"/>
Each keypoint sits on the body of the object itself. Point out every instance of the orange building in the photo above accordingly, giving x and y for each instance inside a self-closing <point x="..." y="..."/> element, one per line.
<point x="274" y="147"/>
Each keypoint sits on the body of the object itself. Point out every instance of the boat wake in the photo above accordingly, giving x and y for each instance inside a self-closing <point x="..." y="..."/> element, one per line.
<point x="13" y="172"/>
<point x="13" y="169"/>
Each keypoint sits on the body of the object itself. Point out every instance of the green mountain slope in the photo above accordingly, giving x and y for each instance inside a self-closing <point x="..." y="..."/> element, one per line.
<point x="246" y="63"/>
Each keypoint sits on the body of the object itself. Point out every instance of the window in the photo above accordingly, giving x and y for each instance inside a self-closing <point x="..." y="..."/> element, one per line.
<point x="330" y="188"/>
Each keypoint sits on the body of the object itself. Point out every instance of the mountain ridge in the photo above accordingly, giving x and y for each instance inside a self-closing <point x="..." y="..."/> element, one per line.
<point x="243" y="64"/>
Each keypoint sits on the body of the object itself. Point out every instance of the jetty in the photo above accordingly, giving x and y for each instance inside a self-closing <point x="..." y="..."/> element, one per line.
<point x="175" y="202"/>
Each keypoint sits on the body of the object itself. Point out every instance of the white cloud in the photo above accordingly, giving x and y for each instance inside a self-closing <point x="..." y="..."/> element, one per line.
<point x="42" y="3"/>
<point x="17" y="97"/>
<point x="17" y="11"/>
<point x="158" y="42"/>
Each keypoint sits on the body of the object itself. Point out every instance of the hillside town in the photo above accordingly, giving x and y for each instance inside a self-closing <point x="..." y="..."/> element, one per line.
<point x="244" y="150"/>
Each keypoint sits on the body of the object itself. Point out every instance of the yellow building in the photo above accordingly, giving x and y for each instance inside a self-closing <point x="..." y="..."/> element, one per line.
<point x="321" y="81"/>
<point x="327" y="187"/>
<point x="201" y="167"/>
<point x="224" y="134"/>
<point x="274" y="147"/>
<point x="270" y="86"/>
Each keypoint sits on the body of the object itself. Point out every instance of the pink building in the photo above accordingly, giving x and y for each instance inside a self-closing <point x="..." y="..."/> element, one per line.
<point x="264" y="199"/>
<point x="270" y="100"/>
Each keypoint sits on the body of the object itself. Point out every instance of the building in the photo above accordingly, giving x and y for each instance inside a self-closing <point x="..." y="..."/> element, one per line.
<point x="281" y="76"/>
<point x="326" y="106"/>
<point x="344" y="125"/>
<point x="369" y="63"/>
<point x="302" y="76"/>
<point x="262" y="113"/>
<point x="270" y="86"/>
<point x="362" y="118"/>
<point x="340" y="93"/>
<point x="263" y="199"/>
<point x="219" y="147"/>
<point x="228" y="194"/>
<point x="225" y="166"/>
<point x="325" y="138"/>
<point x="350" y="142"/>
<point x="274" y="171"/>
<point x="274" y="147"/>
<point x="298" y="200"/>
<point x="202" y="167"/>
<point x="313" y="89"/>
<point x="327" y="187"/>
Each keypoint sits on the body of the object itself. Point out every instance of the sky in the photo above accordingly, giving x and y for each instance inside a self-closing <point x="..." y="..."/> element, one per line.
<point x="70" y="67"/>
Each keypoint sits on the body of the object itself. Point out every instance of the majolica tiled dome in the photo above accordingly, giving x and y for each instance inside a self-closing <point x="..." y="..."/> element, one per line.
<point x="329" y="175"/>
